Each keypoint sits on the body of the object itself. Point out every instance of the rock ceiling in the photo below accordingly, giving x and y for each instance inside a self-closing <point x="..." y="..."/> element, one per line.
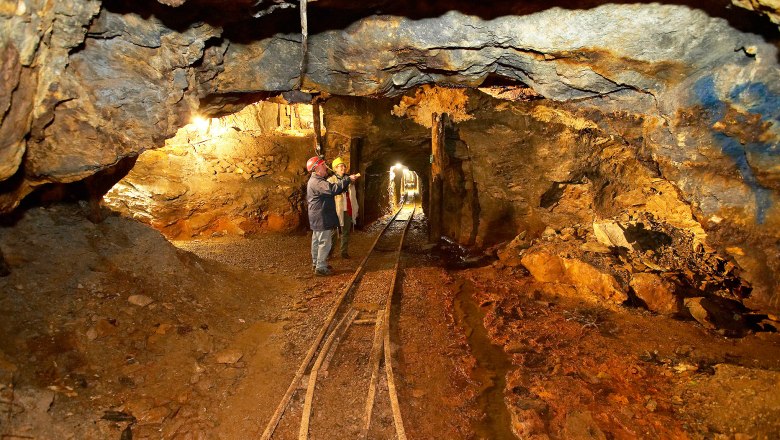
<point x="88" y="83"/>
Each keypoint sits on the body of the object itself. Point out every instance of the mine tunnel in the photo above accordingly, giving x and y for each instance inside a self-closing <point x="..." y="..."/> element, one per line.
<point x="387" y="220"/>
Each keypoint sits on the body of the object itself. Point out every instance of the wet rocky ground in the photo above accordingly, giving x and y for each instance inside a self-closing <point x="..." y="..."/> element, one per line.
<point x="108" y="330"/>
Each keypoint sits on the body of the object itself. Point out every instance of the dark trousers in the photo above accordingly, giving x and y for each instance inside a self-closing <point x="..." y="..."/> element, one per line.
<point x="346" y="230"/>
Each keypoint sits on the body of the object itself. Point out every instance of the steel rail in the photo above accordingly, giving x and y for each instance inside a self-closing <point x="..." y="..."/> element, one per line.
<point x="282" y="407"/>
<point x="303" y="432"/>
<point x="383" y="344"/>
<point x="394" y="404"/>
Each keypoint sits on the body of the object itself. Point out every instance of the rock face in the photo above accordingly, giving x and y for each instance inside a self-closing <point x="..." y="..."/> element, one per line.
<point x="768" y="7"/>
<point x="656" y="292"/>
<point x="233" y="174"/>
<point x="581" y="53"/>
<point x="526" y="166"/>
<point x="90" y="87"/>
<point x="588" y="280"/>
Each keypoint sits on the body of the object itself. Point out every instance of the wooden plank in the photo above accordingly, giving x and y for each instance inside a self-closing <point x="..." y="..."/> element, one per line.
<point x="356" y="165"/>
<point x="396" y="407"/>
<point x="392" y="391"/>
<point x="304" y="43"/>
<point x="339" y="334"/>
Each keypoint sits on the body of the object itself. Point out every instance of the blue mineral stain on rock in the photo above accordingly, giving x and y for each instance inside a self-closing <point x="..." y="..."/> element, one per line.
<point x="756" y="98"/>
<point x="705" y="91"/>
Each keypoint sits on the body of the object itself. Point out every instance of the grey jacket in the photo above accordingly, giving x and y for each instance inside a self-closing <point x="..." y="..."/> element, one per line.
<point x="320" y="196"/>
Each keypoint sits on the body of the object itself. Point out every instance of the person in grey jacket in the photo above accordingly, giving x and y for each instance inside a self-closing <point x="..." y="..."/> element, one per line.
<point x="320" y="196"/>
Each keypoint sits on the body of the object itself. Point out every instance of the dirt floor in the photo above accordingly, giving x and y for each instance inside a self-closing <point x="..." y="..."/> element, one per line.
<point x="109" y="331"/>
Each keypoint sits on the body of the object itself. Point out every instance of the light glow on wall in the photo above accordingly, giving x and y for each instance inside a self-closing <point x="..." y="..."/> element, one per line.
<point x="201" y="123"/>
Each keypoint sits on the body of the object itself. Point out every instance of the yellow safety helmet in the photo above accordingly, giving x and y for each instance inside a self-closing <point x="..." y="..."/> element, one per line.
<point x="337" y="161"/>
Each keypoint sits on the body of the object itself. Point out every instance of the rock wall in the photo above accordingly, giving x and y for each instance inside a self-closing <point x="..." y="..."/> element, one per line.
<point x="520" y="174"/>
<point x="592" y="178"/>
<point x="239" y="173"/>
<point x="89" y="87"/>
<point x="770" y="8"/>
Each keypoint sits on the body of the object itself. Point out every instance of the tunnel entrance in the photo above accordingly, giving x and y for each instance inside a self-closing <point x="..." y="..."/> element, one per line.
<point x="386" y="189"/>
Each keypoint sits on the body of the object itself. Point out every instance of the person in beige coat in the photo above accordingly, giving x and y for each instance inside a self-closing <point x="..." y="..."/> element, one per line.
<point x="346" y="207"/>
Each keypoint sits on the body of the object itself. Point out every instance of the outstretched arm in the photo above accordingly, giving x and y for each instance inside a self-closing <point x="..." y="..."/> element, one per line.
<point x="334" y="188"/>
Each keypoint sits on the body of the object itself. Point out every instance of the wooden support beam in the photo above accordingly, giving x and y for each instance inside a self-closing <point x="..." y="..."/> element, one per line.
<point x="356" y="166"/>
<point x="315" y="108"/>
<point x="376" y="357"/>
<point x="436" y="182"/>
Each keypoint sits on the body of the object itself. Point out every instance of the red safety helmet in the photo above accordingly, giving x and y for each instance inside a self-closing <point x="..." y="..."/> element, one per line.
<point x="313" y="163"/>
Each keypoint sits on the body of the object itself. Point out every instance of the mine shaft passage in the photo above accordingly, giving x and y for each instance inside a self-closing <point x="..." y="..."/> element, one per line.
<point x="389" y="219"/>
<point x="403" y="184"/>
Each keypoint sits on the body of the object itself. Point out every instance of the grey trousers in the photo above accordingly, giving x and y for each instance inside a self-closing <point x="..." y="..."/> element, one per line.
<point x="321" y="242"/>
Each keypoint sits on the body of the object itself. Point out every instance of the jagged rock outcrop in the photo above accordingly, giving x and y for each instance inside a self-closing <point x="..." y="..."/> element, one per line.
<point x="770" y="8"/>
<point x="656" y="292"/>
<point x="90" y="87"/>
<point x="581" y="53"/>
<point x="550" y="268"/>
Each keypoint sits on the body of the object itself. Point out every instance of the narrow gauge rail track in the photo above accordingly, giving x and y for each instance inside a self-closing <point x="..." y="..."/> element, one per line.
<point x="345" y="394"/>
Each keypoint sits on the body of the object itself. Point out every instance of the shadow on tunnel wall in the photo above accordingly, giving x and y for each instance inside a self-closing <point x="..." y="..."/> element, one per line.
<point x="87" y="192"/>
<point x="377" y="199"/>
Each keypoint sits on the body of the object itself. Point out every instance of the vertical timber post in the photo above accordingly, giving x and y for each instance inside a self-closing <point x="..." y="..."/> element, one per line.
<point x="315" y="110"/>
<point x="355" y="166"/>
<point x="436" y="183"/>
